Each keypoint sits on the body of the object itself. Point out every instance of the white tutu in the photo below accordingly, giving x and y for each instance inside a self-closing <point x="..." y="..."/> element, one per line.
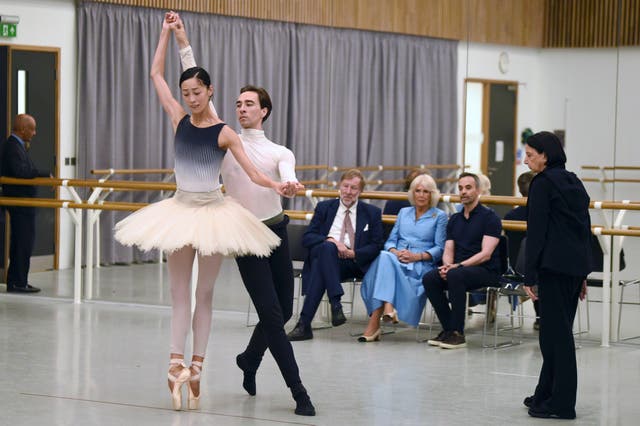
<point x="206" y="221"/>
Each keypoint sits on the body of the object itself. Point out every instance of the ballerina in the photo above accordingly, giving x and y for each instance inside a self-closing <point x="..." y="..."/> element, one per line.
<point x="197" y="219"/>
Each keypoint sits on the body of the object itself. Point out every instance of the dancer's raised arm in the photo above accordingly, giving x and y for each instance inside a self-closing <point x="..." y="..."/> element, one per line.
<point x="187" y="60"/>
<point x="171" y="106"/>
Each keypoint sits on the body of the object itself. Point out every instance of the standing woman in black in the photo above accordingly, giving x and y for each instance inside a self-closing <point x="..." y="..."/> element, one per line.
<point x="558" y="259"/>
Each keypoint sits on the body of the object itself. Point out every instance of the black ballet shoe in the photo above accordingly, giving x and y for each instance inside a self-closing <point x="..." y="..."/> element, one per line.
<point x="542" y="411"/>
<point x="249" y="380"/>
<point x="304" y="407"/>
<point x="529" y="401"/>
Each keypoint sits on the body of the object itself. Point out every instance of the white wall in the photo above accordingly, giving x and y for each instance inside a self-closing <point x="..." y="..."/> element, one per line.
<point x="578" y="92"/>
<point x="474" y="138"/>
<point x="523" y="68"/>
<point x="594" y="95"/>
<point x="52" y="23"/>
<point x="571" y="89"/>
<point x="628" y="123"/>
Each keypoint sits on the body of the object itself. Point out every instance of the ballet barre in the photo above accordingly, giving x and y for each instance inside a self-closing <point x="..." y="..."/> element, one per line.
<point x="370" y="180"/>
<point x="401" y="168"/>
<point x="73" y="209"/>
<point x="610" y="167"/>
<point x="604" y="179"/>
<point x="111" y="172"/>
<point x="454" y="198"/>
<point x="611" y="235"/>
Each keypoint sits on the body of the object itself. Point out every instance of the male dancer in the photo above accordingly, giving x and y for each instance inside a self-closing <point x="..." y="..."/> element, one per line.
<point x="269" y="281"/>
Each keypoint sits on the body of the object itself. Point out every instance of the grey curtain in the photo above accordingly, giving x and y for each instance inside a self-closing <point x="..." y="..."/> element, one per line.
<point x="341" y="97"/>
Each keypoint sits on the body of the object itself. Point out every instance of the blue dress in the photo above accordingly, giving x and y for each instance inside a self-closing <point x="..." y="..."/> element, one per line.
<point x="389" y="280"/>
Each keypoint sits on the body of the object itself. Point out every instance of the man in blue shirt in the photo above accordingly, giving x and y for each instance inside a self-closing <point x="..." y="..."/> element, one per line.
<point x="470" y="261"/>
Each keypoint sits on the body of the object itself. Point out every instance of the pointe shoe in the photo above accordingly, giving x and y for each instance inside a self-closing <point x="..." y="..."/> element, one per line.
<point x="373" y="338"/>
<point x="391" y="317"/>
<point x="194" y="401"/>
<point x="178" y="381"/>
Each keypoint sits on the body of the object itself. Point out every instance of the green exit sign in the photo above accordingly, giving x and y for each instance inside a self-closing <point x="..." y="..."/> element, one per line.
<point x="8" y="30"/>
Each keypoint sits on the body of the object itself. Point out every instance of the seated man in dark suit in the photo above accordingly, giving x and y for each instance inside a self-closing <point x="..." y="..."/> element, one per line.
<point x="343" y="238"/>
<point x="516" y="237"/>
<point x="17" y="163"/>
<point x="470" y="261"/>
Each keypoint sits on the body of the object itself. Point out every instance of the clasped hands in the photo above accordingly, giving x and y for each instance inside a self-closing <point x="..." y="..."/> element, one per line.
<point x="289" y="189"/>
<point x="406" y="256"/>
<point x="172" y="20"/>
<point x="444" y="269"/>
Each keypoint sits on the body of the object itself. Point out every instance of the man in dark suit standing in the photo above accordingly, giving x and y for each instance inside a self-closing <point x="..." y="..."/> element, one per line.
<point x="343" y="238"/>
<point x="16" y="163"/>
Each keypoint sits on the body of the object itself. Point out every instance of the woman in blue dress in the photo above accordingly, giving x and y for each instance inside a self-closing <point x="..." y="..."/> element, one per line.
<point x="392" y="287"/>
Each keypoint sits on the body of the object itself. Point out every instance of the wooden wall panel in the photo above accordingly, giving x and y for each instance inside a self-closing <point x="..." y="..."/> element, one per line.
<point x="433" y="18"/>
<point x="529" y="23"/>
<point x="630" y="31"/>
<point x="302" y="11"/>
<point x="592" y="23"/>
<point x="507" y="22"/>
<point x="449" y="19"/>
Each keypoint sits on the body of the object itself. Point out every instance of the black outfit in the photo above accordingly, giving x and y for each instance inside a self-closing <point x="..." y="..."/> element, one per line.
<point x="514" y="239"/>
<point x="269" y="282"/>
<point x="467" y="235"/>
<point x="17" y="163"/>
<point x="558" y="259"/>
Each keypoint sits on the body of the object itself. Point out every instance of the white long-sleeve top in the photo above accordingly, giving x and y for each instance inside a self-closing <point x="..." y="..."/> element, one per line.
<point x="272" y="159"/>
<point x="275" y="161"/>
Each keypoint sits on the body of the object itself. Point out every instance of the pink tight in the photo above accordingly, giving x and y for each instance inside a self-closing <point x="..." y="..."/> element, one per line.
<point x="180" y="268"/>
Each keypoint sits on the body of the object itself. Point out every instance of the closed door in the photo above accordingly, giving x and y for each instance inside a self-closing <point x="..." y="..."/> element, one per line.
<point x="34" y="91"/>
<point x="501" y="137"/>
<point x="490" y="133"/>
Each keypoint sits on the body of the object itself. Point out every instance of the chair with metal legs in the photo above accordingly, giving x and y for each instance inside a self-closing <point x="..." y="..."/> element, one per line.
<point x="493" y="292"/>
<point x="352" y="284"/>
<point x="598" y="266"/>
<point x="423" y="322"/>
<point x="622" y="302"/>
<point x="490" y="291"/>
<point x="298" y="254"/>
<point x="512" y="288"/>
